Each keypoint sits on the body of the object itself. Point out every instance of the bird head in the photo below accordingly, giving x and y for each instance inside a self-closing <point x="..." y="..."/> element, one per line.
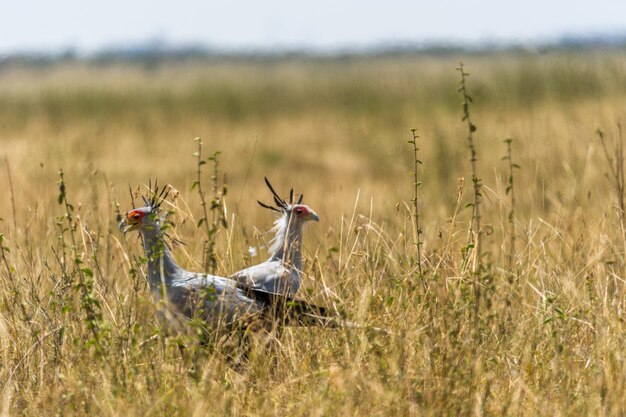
<point x="297" y="211"/>
<point x="303" y="213"/>
<point x="138" y="218"/>
<point x="145" y="217"/>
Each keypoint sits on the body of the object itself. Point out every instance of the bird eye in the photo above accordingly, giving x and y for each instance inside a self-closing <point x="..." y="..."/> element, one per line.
<point x="299" y="210"/>
<point x="135" y="215"/>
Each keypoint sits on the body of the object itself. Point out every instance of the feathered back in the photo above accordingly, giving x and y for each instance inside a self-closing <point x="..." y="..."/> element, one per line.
<point x="281" y="225"/>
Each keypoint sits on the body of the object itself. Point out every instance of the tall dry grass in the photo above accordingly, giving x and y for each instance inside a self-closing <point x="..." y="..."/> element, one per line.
<point x="79" y="334"/>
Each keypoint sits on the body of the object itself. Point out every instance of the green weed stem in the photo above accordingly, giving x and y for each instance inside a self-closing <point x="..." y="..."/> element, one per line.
<point x="475" y="232"/>
<point x="510" y="191"/>
<point x="416" y="213"/>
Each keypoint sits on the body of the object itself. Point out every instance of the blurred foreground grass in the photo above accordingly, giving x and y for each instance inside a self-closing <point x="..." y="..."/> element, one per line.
<point x="550" y="339"/>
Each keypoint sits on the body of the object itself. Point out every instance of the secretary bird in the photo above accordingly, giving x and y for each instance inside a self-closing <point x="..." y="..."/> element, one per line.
<point x="216" y="300"/>
<point x="280" y="274"/>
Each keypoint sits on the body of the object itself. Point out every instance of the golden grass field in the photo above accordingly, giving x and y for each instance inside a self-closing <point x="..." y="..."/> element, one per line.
<point x="547" y="338"/>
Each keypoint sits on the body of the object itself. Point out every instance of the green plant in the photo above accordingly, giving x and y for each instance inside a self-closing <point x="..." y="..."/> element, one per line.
<point x="415" y="201"/>
<point x="510" y="191"/>
<point x="474" y="239"/>
<point x="90" y="304"/>
<point x="217" y="208"/>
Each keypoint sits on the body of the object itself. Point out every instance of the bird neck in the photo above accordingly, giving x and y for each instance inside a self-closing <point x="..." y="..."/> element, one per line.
<point x="161" y="265"/>
<point x="287" y="246"/>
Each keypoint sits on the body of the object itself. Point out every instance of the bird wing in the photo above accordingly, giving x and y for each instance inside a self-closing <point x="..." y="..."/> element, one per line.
<point x="271" y="277"/>
<point x="223" y="300"/>
<point x="290" y="311"/>
<point x="211" y="298"/>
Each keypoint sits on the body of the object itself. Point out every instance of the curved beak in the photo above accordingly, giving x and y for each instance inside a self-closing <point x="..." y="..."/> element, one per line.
<point x="313" y="216"/>
<point x="125" y="227"/>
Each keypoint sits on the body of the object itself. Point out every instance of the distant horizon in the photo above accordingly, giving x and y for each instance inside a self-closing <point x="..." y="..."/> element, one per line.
<point x="156" y="45"/>
<point x="38" y="26"/>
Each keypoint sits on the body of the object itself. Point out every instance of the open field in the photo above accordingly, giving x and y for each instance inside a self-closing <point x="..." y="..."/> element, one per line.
<point x="545" y="337"/>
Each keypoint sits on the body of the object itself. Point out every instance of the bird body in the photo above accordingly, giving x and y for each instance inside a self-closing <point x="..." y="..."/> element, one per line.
<point x="211" y="298"/>
<point x="192" y="294"/>
<point x="271" y="276"/>
<point x="280" y="274"/>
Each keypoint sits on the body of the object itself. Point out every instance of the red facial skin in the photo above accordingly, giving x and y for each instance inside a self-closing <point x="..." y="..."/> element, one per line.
<point x="301" y="210"/>
<point x="134" y="216"/>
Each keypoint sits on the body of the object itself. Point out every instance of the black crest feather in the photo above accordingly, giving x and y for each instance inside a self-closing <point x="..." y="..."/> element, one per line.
<point x="281" y="204"/>
<point x="155" y="196"/>
<point x="267" y="207"/>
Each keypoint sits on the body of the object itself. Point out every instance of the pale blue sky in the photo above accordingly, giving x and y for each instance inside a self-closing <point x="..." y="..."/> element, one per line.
<point x="88" y="25"/>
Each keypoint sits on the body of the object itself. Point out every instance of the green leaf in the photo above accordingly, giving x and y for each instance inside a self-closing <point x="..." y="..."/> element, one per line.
<point x="88" y="272"/>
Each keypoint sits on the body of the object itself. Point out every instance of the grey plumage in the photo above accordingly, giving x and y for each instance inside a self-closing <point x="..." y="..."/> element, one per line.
<point x="212" y="298"/>
<point x="280" y="274"/>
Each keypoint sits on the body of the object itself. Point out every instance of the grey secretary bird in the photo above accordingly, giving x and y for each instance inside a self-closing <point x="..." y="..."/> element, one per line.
<point x="211" y="298"/>
<point x="280" y="274"/>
